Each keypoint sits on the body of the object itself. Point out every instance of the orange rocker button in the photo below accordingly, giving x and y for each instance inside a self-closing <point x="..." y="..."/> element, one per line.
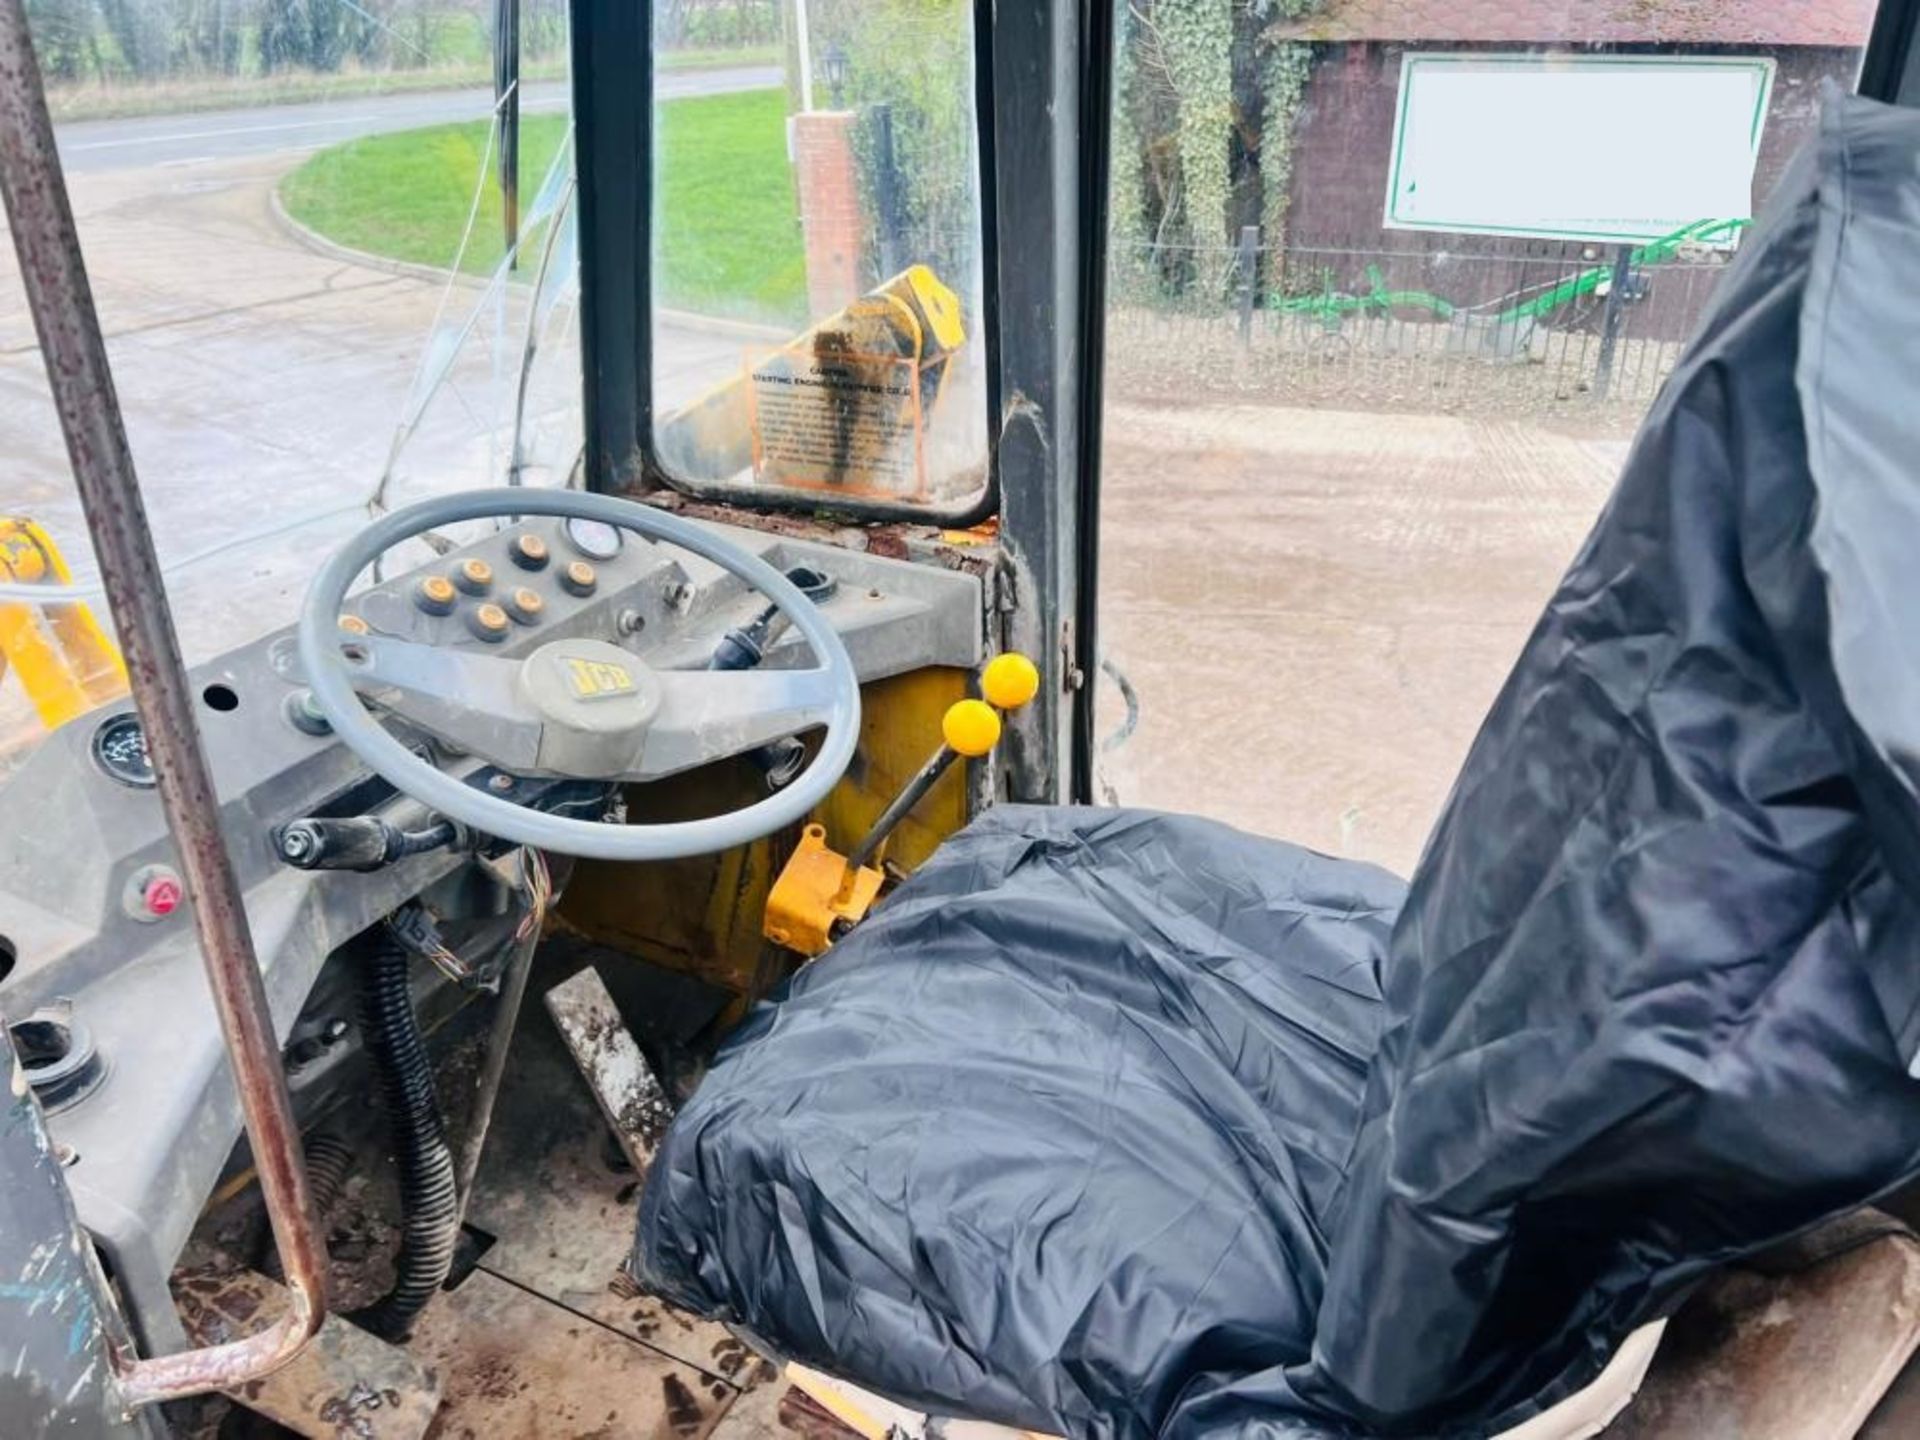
<point x="474" y="576"/>
<point x="525" y="605"/>
<point x="435" y="595"/>
<point x="488" y="622"/>
<point x="529" y="552"/>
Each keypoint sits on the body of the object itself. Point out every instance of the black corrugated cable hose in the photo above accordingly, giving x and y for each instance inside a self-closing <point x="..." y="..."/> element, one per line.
<point x="330" y="1160"/>
<point x="429" y="1200"/>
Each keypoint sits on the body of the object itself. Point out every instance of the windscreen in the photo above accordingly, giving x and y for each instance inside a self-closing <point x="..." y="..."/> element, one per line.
<point x="817" y="318"/>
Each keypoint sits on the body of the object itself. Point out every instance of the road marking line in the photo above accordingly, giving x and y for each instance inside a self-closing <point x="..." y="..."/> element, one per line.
<point x="217" y="134"/>
<point x="376" y="119"/>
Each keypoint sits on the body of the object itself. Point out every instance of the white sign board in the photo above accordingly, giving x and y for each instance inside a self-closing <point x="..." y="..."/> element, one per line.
<point x="1591" y="147"/>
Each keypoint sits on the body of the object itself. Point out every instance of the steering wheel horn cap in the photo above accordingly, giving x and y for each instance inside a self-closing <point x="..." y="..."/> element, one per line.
<point x="594" y="700"/>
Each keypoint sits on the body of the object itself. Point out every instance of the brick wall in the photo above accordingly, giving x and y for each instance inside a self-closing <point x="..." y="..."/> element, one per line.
<point x="830" y="217"/>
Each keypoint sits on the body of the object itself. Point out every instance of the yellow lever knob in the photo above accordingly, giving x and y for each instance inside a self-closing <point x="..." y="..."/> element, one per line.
<point x="1010" y="681"/>
<point x="971" y="727"/>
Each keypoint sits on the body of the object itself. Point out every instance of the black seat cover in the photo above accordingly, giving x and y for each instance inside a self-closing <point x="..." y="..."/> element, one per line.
<point x="1117" y="1124"/>
<point x="1110" y="1131"/>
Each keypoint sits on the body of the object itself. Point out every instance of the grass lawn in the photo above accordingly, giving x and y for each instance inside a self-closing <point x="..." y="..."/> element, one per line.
<point x="728" y="232"/>
<point x="716" y="59"/>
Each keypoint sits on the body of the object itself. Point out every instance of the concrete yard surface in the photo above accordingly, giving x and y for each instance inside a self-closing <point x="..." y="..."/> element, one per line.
<point x="1316" y="607"/>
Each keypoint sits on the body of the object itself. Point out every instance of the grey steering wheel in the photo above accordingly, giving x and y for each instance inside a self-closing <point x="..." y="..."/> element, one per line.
<point x="510" y="713"/>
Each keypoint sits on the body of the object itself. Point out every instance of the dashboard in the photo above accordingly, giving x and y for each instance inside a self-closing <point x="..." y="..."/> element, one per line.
<point x="96" y="922"/>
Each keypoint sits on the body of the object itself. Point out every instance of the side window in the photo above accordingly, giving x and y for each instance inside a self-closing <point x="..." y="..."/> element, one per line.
<point x="817" y="253"/>
<point x="1392" y="286"/>
<point x="297" y="235"/>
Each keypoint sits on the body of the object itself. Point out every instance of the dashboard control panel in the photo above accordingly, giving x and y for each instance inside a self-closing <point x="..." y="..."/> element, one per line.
<point x="91" y="905"/>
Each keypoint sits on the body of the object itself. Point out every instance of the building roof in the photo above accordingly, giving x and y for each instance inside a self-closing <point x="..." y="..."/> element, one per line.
<point x="1842" y="23"/>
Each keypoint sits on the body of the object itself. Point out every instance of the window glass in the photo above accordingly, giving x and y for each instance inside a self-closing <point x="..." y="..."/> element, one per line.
<point x="1391" y="286"/>
<point x="817" y="240"/>
<point x="294" y="224"/>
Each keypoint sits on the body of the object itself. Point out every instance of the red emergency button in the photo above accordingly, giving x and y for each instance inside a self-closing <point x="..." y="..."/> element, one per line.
<point x="162" y="896"/>
<point x="153" y="893"/>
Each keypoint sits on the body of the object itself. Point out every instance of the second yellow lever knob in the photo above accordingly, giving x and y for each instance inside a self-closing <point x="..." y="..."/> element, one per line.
<point x="1009" y="681"/>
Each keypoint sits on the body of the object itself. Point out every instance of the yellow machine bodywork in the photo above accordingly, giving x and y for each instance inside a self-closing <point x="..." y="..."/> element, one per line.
<point x="704" y="916"/>
<point x="63" y="656"/>
<point x="816" y="891"/>
<point x="913" y="319"/>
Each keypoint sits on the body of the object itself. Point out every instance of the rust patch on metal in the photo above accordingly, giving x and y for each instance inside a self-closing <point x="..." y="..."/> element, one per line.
<point x="684" y="1411"/>
<point x="514" y="1363"/>
<point x="731" y="1357"/>
<point x="801" y="1414"/>
<point x="358" y="1412"/>
<point x="772" y="1407"/>
<point x="562" y="1215"/>
<point x="976" y="553"/>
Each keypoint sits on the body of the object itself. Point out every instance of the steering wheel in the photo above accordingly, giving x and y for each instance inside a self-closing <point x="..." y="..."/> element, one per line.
<point x="577" y="708"/>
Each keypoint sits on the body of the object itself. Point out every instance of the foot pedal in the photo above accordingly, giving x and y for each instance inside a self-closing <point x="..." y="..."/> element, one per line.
<point x="346" y="1382"/>
<point x="625" y="1086"/>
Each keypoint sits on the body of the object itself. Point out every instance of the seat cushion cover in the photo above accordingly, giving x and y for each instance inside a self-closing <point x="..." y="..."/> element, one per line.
<point x="1051" y="1132"/>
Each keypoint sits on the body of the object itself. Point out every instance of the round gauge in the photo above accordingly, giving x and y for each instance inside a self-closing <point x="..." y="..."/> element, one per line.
<point x="594" y="539"/>
<point x="120" y="749"/>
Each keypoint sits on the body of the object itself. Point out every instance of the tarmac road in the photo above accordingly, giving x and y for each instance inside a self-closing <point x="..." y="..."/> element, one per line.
<point x="160" y="140"/>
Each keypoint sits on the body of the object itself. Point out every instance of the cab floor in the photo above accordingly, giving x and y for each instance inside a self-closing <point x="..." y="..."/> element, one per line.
<point x="539" y="1335"/>
<point x="545" y="1337"/>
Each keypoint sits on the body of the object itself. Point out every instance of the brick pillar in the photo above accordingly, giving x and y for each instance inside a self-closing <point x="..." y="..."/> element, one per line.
<point x="830" y="218"/>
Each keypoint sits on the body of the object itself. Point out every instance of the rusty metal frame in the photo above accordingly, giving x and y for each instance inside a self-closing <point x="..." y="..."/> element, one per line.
<point x="55" y="278"/>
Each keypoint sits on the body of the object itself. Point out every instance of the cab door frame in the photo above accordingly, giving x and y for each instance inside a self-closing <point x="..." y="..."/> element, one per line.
<point x="1042" y="71"/>
<point x="1890" y="69"/>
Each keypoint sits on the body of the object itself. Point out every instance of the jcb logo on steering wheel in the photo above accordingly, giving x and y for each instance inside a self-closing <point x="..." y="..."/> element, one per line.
<point x="597" y="679"/>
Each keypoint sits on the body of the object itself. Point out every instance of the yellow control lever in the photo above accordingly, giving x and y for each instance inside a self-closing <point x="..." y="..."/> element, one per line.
<point x="821" y="891"/>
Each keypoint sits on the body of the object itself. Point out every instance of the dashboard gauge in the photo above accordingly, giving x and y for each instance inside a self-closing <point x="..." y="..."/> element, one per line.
<point x="594" y="539"/>
<point x="120" y="749"/>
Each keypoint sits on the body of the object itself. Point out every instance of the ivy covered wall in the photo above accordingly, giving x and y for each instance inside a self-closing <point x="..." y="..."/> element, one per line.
<point x="1205" y="106"/>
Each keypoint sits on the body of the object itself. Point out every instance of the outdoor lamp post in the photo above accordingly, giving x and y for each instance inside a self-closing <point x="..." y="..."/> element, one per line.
<point x="833" y="69"/>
